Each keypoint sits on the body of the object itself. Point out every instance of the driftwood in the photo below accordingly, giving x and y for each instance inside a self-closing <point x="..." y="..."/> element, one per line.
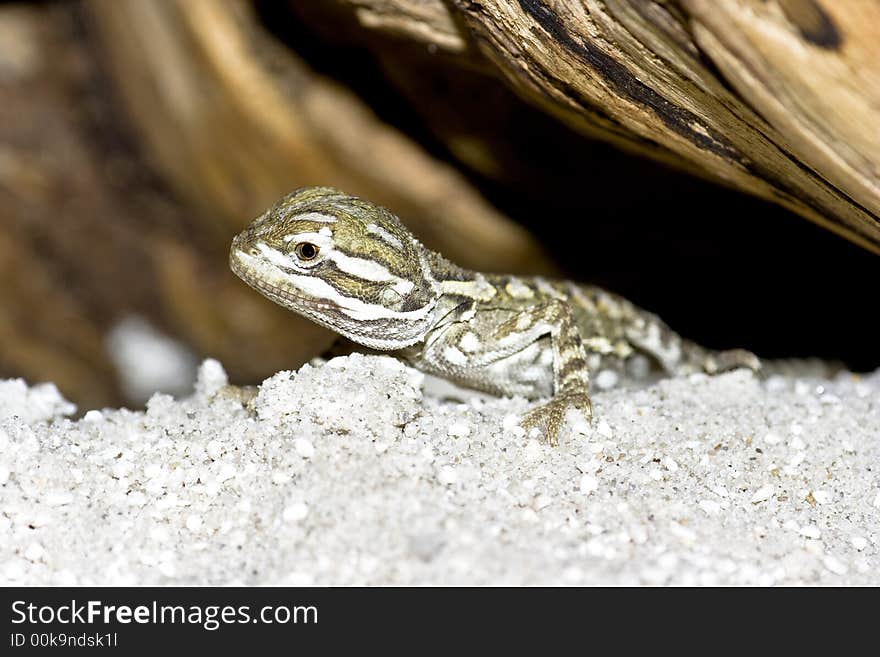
<point x="777" y="98"/>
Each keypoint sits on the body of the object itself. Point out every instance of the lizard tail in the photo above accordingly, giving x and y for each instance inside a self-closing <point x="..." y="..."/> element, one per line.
<point x="731" y="359"/>
<point x="699" y="359"/>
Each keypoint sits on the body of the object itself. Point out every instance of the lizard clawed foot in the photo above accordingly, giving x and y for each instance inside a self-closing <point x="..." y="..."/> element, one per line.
<point x="550" y="416"/>
<point x="724" y="361"/>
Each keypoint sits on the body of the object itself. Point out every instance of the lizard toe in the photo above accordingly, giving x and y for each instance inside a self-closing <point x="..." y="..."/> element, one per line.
<point x="549" y="417"/>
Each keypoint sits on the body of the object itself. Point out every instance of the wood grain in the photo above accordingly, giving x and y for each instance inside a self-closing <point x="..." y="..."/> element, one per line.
<point x="777" y="98"/>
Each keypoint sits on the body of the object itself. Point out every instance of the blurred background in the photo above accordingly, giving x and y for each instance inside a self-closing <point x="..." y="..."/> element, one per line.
<point x="138" y="136"/>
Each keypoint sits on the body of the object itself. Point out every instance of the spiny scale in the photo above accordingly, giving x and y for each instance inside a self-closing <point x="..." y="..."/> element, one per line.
<point x="353" y="267"/>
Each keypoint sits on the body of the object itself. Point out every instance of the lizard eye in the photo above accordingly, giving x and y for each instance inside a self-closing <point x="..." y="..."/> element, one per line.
<point x="306" y="251"/>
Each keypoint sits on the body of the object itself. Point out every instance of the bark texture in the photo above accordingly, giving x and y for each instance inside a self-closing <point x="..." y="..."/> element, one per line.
<point x="777" y="98"/>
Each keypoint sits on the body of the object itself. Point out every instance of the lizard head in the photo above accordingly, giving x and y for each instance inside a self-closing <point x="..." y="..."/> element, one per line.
<point x="342" y="262"/>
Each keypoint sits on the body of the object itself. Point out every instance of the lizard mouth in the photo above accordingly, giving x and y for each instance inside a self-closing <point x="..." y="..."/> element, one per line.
<point x="276" y="293"/>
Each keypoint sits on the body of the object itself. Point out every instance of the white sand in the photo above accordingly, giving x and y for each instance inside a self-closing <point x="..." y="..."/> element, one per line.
<point x="349" y="473"/>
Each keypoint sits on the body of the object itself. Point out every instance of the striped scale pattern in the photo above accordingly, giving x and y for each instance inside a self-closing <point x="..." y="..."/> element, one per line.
<point x="353" y="267"/>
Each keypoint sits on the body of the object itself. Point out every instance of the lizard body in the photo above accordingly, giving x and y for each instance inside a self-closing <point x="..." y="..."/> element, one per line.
<point x="353" y="267"/>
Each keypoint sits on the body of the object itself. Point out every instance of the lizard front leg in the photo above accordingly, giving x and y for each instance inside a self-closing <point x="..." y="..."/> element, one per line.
<point x="571" y="377"/>
<point x="462" y="352"/>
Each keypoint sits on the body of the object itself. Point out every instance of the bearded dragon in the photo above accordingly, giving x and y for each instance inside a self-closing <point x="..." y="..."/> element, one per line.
<point x="353" y="267"/>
